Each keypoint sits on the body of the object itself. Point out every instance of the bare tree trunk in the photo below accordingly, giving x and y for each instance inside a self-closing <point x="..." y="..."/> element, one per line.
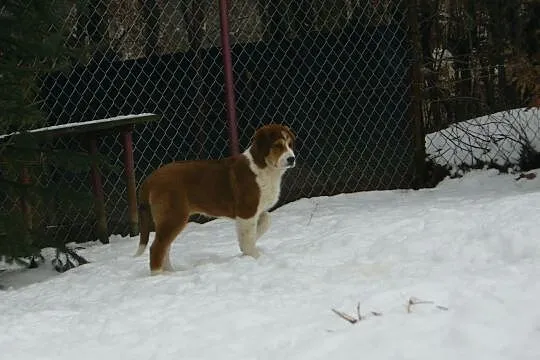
<point x="502" y="13"/>
<point x="461" y="38"/>
<point x="415" y="111"/>
<point x="427" y="17"/>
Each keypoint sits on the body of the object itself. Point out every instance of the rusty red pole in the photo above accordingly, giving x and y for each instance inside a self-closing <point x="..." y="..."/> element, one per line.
<point x="25" y="204"/>
<point x="229" y="80"/>
<point x="129" y="171"/>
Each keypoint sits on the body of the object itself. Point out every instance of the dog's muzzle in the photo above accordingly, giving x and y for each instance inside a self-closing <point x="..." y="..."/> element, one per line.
<point x="291" y="161"/>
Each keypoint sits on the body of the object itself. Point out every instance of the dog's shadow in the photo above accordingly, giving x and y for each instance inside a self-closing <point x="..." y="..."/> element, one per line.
<point x="183" y="266"/>
<point x="194" y="261"/>
<point x="202" y="259"/>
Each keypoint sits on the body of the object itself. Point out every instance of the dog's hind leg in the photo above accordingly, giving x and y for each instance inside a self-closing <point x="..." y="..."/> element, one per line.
<point x="167" y="265"/>
<point x="145" y="222"/>
<point x="169" y="222"/>
<point x="159" y="250"/>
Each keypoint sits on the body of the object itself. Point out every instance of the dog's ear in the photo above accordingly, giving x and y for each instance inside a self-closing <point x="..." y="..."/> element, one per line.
<point x="291" y="134"/>
<point x="260" y="147"/>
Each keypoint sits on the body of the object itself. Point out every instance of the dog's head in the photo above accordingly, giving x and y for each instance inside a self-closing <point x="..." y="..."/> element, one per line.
<point x="272" y="145"/>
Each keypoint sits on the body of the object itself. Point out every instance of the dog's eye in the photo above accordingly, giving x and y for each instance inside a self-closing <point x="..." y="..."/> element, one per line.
<point x="277" y="146"/>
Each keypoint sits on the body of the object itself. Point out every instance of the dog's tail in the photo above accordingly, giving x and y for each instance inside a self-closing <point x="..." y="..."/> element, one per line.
<point x="145" y="218"/>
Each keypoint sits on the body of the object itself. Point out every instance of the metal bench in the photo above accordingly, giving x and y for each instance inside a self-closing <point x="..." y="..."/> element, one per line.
<point x="92" y="130"/>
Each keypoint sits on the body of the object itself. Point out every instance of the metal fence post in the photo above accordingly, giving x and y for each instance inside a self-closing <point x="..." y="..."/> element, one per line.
<point x="415" y="110"/>
<point x="229" y="80"/>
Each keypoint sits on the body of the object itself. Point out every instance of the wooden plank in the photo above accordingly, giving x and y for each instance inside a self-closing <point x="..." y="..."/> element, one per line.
<point x="91" y="126"/>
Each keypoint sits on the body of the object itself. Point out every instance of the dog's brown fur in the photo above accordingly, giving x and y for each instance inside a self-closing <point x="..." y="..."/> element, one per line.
<point x="219" y="188"/>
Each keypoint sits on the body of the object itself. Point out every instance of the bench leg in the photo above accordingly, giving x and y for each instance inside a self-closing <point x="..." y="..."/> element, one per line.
<point x="24" y="201"/>
<point x="99" y="198"/>
<point x="127" y="142"/>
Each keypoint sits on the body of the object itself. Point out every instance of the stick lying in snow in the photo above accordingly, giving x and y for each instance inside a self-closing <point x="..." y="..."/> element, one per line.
<point x="342" y="315"/>
<point x="528" y="176"/>
<point x="414" y="301"/>
<point x="312" y="213"/>
<point x="359" y="316"/>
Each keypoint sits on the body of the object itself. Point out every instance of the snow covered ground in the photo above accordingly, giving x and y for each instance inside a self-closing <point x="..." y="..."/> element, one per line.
<point x="496" y="137"/>
<point x="471" y="246"/>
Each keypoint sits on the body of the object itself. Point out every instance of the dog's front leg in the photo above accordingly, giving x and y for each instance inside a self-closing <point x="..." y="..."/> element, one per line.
<point x="246" y="230"/>
<point x="263" y="223"/>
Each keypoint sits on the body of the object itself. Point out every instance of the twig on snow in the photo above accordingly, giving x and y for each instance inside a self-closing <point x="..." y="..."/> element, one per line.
<point x="359" y="316"/>
<point x="312" y="213"/>
<point x="528" y="176"/>
<point x="414" y="301"/>
<point x="344" y="316"/>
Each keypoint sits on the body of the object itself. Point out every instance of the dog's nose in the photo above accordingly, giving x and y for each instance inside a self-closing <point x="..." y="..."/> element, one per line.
<point x="290" y="160"/>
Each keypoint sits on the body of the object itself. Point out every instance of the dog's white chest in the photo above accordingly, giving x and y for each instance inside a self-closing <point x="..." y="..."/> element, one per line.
<point x="269" y="186"/>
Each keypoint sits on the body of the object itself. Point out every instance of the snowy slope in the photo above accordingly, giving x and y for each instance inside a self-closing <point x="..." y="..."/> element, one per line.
<point x="496" y="137"/>
<point x="470" y="245"/>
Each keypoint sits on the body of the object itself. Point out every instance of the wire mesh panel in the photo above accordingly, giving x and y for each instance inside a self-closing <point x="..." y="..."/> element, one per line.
<point x="336" y="72"/>
<point x="147" y="56"/>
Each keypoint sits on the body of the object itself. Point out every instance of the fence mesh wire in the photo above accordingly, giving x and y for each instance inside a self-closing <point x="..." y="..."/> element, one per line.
<point x="337" y="72"/>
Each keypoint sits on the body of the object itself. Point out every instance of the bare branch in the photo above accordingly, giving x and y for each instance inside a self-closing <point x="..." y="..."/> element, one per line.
<point x="344" y="316"/>
<point x="313" y="212"/>
<point x="353" y="320"/>
<point x="414" y="301"/>
<point x="528" y="176"/>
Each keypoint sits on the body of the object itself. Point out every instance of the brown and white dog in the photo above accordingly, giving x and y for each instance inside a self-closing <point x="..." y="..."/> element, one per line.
<point x="241" y="187"/>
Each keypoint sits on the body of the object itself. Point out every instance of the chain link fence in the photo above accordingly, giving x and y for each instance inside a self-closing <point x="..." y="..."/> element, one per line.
<point x="339" y="73"/>
<point x="481" y="69"/>
<point x="359" y="82"/>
